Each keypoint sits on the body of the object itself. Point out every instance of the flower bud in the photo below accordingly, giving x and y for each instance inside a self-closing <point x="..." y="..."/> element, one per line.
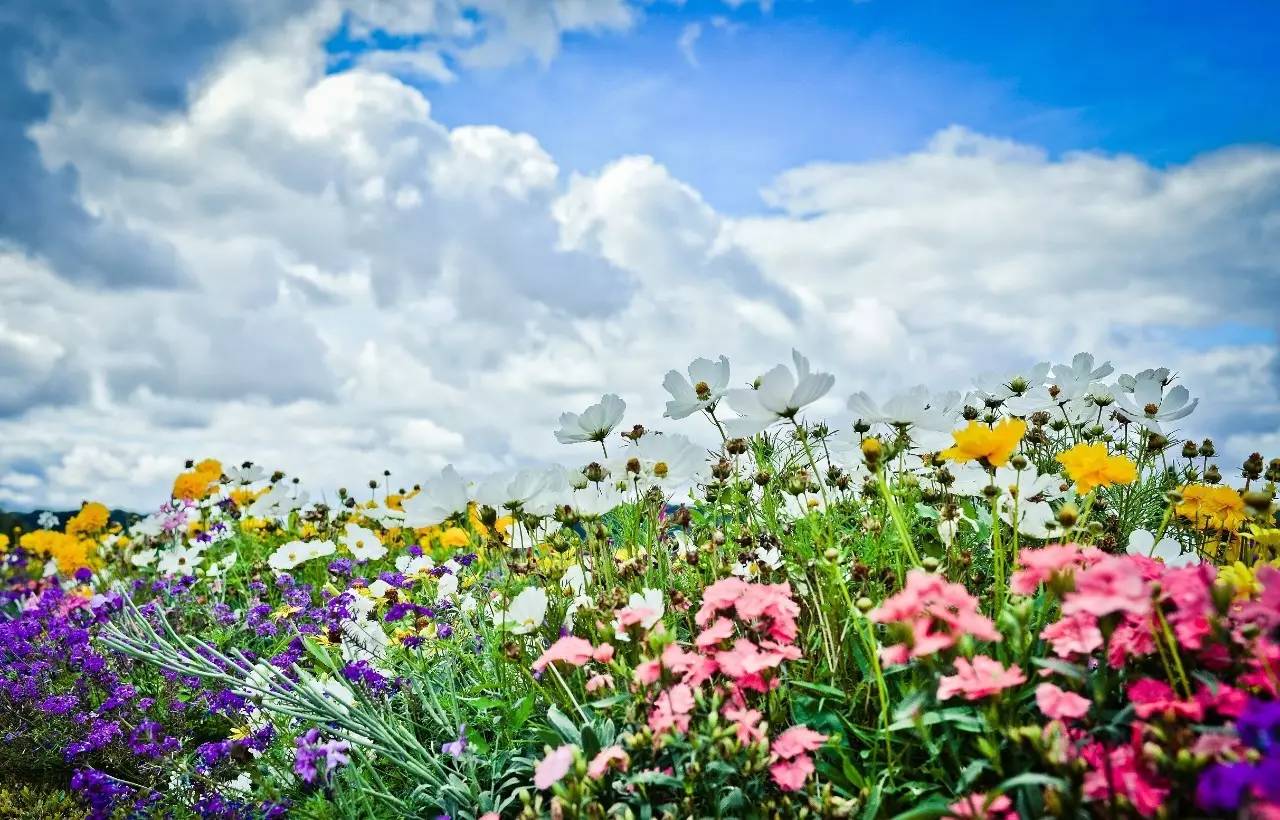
<point x="865" y="604"/>
<point x="930" y="563"/>
<point x="872" y="450"/>
<point x="1068" y="514"/>
<point x="1212" y="475"/>
<point x="1189" y="449"/>
<point x="1018" y="462"/>
<point x="1207" y="449"/>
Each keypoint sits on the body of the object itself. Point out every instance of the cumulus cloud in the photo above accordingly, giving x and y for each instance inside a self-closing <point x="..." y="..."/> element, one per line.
<point x="366" y="289"/>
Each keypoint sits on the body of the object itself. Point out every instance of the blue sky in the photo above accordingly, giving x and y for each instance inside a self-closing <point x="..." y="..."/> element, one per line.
<point x="218" y="241"/>
<point x="841" y="81"/>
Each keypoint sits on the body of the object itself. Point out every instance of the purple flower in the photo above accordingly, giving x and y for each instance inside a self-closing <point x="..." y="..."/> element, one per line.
<point x="455" y="748"/>
<point x="444" y="631"/>
<point x="316" y="760"/>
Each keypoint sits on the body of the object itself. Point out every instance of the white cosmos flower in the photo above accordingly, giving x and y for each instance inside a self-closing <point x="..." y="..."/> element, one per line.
<point x="385" y="516"/>
<point x="1143" y="542"/>
<point x="593" y="424"/>
<point x="413" y="564"/>
<point x="1146" y="403"/>
<point x="912" y="408"/>
<point x="597" y="499"/>
<point x="437" y="500"/>
<point x="512" y="489"/>
<point x="47" y="520"/>
<point x="278" y="501"/>
<point x="525" y="613"/>
<point x="246" y="473"/>
<point x="220" y="566"/>
<point x="180" y="560"/>
<point x="287" y="556"/>
<point x="705" y="386"/>
<point x="647" y="599"/>
<point x="575" y="580"/>
<point x="1079" y="378"/>
<point x="780" y="395"/>
<point x="997" y="389"/>
<point x="144" y="558"/>
<point x="364" y="544"/>
<point x="447" y="586"/>
<point x="666" y="461"/>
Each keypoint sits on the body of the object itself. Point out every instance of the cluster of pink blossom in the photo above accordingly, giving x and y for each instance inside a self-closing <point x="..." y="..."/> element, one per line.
<point x="936" y="614"/>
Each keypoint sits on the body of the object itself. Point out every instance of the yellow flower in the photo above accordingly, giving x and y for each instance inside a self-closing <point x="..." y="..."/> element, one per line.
<point x="1264" y="538"/>
<point x="1243" y="579"/>
<point x="192" y="485"/>
<point x="991" y="445"/>
<point x="91" y="520"/>
<point x="71" y="553"/>
<point x="4" y="542"/>
<point x="1091" y="466"/>
<point x="211" y="468"/>
<point x="1211" y="507"/>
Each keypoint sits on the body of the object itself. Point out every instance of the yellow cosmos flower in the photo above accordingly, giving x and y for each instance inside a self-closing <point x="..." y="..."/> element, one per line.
<point x="91" y="520"/>
<point x="1211" y="507"/>
<point x="990" y="445"/>
<point x="1091" y="466"/>
<point x="4" y="542"/>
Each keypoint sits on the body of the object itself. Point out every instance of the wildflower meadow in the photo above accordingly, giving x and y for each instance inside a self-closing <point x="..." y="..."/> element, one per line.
<point x="1035" y="598"/>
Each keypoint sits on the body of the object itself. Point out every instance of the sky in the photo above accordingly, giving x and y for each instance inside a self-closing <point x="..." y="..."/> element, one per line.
<point x="339" y="237"/>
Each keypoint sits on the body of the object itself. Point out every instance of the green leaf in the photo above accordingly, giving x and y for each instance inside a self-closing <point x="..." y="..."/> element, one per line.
<point x="820" y="688"/>
<point x="321" y="656"/>
<point x="563" y="725"/>
<point x="963" y="719"/>
<point x="1070" y="670"/>
<point x="1031" y="779"/>
<point x="935" y="807"/>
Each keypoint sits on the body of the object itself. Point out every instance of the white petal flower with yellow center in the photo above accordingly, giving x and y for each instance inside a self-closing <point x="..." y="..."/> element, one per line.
<point x="779" y="395"/>
<point x="437" y="500"/>
<point x="705" y="386"/>
<point x="363" y="544"/>
<point x="593" y="424"/>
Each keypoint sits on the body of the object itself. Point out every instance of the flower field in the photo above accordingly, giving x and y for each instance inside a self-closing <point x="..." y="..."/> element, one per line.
<point x="1035" y="598"/>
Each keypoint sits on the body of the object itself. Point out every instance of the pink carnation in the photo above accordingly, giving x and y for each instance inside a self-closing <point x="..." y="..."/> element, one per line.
<point x="570" y="650"/>
<point x="671" y="710"/>
<point x="603" y="653"/>
<point x="552" y="769"/>
<point x="1060" y="704"/>
<point x="1074" y="634"/>
<point x="1151" y="697"/>
<point x="598" y="682"/>
<point x="1040" y="565"/>
<point x="979" y="678"/>
<point x="796" y="741"/>
<point x="745" y="722"/>
<point x="609" y="757"/>
<point x="790" y="774"/>
<point x="938" y="613"/>
<point x="1113" y="584"/>
<point x="978" y="806"/>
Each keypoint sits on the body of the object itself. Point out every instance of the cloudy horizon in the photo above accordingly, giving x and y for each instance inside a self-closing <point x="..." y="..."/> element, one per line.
<point x="337" y="238"/>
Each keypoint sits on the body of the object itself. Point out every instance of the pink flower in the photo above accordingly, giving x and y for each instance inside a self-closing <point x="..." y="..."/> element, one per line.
<point x="790" y="774"/>
<point x="1060" y="704"/>
<point x="719" y="631"/>
<point x="648" y="673"/>
<point x="554" y="766"/>
<point x="598" y="682"/>
<point x="671" y="710"/>
<point x="720" y="595"/>
<point x="1150" y="697"/>
<point x="606" y="759"/>
<point x="796" y="741"/>
<point x="603" y="653"/>
<point x="938" y="613"/>
<point x="493" y="815"/>
<point x="1117" y="772"/>
<point x="1226" y="701"/>
<point x="1074" y="634"/>
<point x="1113" y="584"/>
<point x="570" y="650"/>
<point x="979" y="678"/>
<point x="895" y="655"/>
<point x="1189" y="589"/>
<point x="978" y="806"/>
<point x="745" y="722"/>
<point x="1131" y="639"/>
<point x="1040" y="565"/>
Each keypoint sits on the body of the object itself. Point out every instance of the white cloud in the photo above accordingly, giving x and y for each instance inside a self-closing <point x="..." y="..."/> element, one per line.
<point x="372" y="290"/>
<point x="688" y="40"/>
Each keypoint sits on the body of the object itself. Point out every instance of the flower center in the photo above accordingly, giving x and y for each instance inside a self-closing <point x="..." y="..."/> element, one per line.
<point x="703" y="390"/>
